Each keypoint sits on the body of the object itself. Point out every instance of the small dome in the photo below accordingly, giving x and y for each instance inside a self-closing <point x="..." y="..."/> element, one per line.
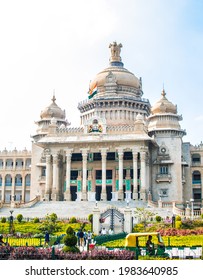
<point x="164" y="106"/>
<point x="52" y="111"/>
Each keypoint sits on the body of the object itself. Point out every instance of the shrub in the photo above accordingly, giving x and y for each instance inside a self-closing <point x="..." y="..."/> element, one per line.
<point x="70" y="240"/>
<point x="138" y="228"/>
<point x="19" y="218"/>
<point x="90" y="218"/>
<point x="72" y="220"/>
<point x="70" y="230"/>
<point x="158" y="218"/>
<point x="3" y="220"/>
<point x="178" y="224"/>
<point x="36" y="220"/>
<point x="178" y="218"/>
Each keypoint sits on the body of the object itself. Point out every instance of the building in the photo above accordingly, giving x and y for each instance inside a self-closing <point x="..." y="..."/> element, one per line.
<point x="124" y="149"/>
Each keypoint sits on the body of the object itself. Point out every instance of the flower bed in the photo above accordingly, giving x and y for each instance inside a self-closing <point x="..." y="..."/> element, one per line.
<point x="33" y="253"/>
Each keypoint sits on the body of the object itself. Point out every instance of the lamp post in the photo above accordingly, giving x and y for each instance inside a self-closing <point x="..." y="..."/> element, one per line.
<point x="192" y="208"/>
<point x="11" y="228"/>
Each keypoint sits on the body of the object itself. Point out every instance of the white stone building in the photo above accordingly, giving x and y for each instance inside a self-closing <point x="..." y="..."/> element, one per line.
<point x="124" y="149"/>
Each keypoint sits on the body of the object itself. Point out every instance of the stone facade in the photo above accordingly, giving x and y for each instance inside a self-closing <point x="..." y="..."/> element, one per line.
<point x="124" y="148"/>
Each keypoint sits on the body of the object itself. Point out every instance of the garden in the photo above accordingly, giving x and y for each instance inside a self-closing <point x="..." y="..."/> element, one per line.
<point x="25" y="238"/>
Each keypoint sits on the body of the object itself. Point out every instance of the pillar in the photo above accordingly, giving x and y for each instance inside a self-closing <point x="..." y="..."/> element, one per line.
<point x="120" y="175"/>
<point x="55" y="188"/>
<point x="135" y="190"/>
<point x="48" y="178"/>
<point x="128" y="220"/>
<point x="143" y="175"/>
<point x="67" y="194"/>
<point x="103" y="155"/>
<point x="96" y="223"/>
<point x="84" y="174"/>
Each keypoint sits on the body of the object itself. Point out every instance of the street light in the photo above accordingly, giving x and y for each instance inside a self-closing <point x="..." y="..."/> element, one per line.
<point x="11" y="227"/>
<point x="192" y="208"/>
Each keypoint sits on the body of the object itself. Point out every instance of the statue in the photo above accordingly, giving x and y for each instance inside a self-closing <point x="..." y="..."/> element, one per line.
<point x="115" y="51"/>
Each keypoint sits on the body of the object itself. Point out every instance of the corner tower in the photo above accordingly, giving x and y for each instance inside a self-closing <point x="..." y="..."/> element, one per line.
<point x="167" y="162"/>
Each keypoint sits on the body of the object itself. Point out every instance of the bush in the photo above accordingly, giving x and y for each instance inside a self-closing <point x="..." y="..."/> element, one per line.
<point x="19" y="218"/>
<point x="90" y="218"/>
<point x="178" y="224"/>
<point x="178" y="218"/>
<point x="3" y="220"/>
<point x="72" y="220"/>
<point x="158" y="218"/>
<point x="36" y="220"/>
<point x="71" y="249"/>
<point x="70" y="240"/>
<point x="70" y="230"/>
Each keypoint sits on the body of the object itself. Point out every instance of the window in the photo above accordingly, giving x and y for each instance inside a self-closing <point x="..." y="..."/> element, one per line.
<point x="164" y="169"/>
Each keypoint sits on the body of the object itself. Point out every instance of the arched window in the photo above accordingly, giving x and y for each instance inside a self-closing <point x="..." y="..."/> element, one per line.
<point x="0" y="181"/>
<point x="18" y="180"/>
<point x="8" y="180"/>
<point x="196" y="177"/>
<point x="196" y="159"/>
<point x="27" y="180"/>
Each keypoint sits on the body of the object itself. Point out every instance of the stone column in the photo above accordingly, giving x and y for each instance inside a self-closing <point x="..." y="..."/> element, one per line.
<point x="13" y="189"/>
<point x="55" y="187"/>
<point x="135" y="191"/>
<point x="96" y="223"/>
<point x="23" y="189"/>
<point x="3" y="189"/>
<point x="143" y="175"/>
<point x="128" y="220"/>
<point x="120" y="164"/>
<point x="48" y="178"/>
<point x="67" y="194"/>
<point x="84" y="174"/>
<point x="103" y="155"/>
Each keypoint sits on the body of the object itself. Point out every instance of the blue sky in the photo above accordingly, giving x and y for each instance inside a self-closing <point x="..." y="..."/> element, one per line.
<point x="61" y="45"/>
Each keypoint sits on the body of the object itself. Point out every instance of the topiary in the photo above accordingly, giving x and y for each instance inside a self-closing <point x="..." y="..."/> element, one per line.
<point x="70" y="240"/>
<point x="19" y="218"/>
<point x="178" y="218"/>
<point x="36" y="220"/>
<point x="72" y="220"/>
<point x="70" y="230"/>
<point x="158" y="218"/>
<point x="3" y="220"/>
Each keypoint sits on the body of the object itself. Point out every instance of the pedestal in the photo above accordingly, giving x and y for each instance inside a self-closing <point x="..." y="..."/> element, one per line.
<point x="91" y="196"/>
<point x="127" y="196"/>
<point x="114" y="196"/>
<point x="79" y="196"/>
<point x="67" y="196"/>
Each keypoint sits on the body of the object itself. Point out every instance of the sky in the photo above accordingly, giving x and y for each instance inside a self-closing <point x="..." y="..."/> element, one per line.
<point x="49" y="46"/>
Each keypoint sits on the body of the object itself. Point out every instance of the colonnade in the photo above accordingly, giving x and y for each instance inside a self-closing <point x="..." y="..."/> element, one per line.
<point x="85" y="189"/>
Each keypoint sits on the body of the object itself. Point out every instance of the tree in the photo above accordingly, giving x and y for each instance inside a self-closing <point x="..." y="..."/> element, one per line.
<point x="143" y="215"/>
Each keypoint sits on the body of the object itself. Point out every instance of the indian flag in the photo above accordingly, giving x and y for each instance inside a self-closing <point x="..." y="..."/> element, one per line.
<point x="92" y="92"/>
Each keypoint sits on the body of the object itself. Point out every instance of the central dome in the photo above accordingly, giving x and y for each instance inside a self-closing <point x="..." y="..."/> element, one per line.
<point x="115" y="79"/>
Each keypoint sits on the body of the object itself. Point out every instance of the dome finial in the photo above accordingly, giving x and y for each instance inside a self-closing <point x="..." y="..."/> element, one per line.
<point x="115" y="58"/>
<point x="53" y="98"/>
<point x="163" y="93"/>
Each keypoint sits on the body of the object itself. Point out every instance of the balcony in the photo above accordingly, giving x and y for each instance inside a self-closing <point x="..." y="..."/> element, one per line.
<point x="163" y="178"/>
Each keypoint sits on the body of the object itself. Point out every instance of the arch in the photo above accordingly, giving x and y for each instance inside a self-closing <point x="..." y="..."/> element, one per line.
<point x="27" y="180"/>
<point x="196" y="177"/>
<point x="196" y="159"/>
<point x="0" y="180"/>
<point x="18" y="180"/>
<point x="8" y="180"/>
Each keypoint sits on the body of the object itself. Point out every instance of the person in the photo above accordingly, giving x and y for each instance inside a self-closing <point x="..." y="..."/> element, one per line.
<point x="89" y="237"/>
<point x="81" y="236"/>
<point x="85" y="238"/>
<point x="2" y="243"/>
<point x="46" y="239"/>
<point x="150" y="245"/>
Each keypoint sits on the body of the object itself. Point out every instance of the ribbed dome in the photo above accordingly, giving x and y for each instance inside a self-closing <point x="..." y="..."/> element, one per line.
<point x="116" y="75"/>
<point x="53" y="111"/>
<point x="163" y="106"/>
